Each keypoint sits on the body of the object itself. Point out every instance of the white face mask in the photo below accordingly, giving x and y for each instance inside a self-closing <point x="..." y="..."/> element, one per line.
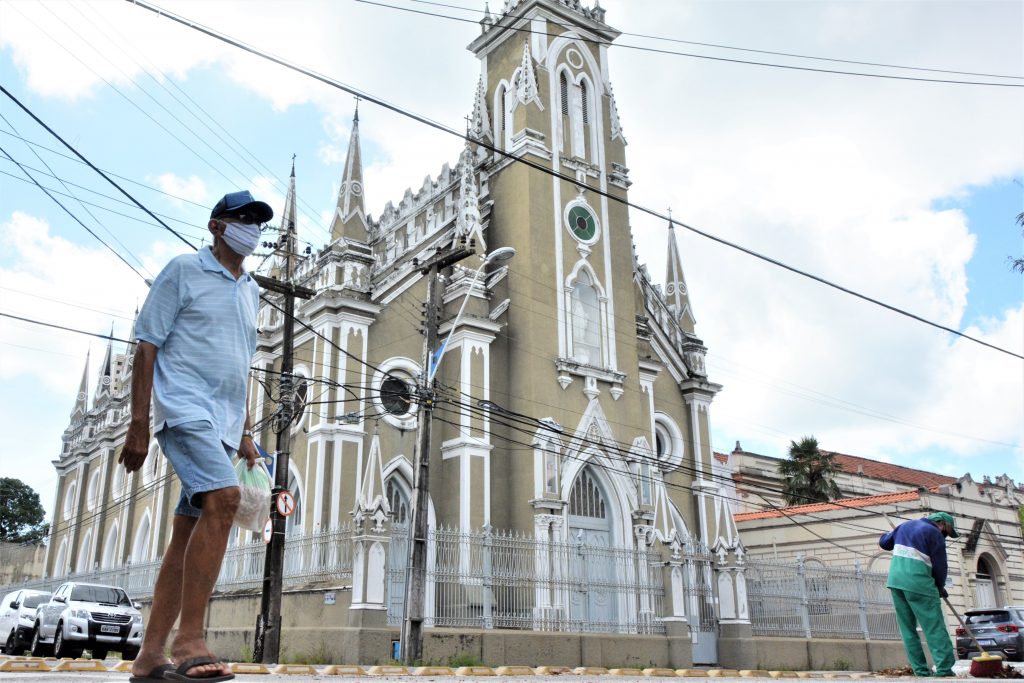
<point x="242" y="238"/>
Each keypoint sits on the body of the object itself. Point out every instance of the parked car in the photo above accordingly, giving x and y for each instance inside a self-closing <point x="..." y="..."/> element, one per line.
<point x="85" y="616"/>
<point x="1000" y="630"/>
<point x="17" y="615"/>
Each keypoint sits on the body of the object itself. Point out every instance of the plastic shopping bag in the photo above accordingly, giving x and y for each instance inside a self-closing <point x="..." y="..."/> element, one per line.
<point x="254" y="508"/>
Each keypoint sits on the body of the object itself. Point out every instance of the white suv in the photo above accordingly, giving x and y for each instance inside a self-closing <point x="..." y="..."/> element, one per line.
<point x="83" y="616"/>
<point x="17" y="615"/>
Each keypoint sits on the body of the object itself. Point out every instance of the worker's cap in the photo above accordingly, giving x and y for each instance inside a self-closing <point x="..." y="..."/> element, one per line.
<point x="948" y="519"/>
<point x="242" y="204"/>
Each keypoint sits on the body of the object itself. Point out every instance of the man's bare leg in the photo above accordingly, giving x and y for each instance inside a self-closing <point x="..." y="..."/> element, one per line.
<point x="166" y="598"/>
<point x="202" y="561"/>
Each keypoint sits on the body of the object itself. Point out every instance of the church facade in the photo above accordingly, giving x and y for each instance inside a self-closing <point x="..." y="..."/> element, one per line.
<point x="572" y="413"/>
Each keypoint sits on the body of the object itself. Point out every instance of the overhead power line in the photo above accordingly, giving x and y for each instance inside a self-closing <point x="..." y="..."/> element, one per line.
<point x="761" y="52"/>
<point x="536" y="166"/>
<point x="641" y="48"/>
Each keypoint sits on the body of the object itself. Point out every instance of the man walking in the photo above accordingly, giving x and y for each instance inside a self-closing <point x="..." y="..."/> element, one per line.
<point x="917" y="579"/>
<point x="196" y="334"/>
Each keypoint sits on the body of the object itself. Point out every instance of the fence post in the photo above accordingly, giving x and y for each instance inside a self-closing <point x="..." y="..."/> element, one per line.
<point x="488" y="598"/>
<point x="862" y="602"/>
<point x="805" y="613"/>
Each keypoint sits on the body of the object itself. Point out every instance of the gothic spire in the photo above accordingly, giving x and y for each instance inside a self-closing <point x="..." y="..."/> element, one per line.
<point x="286" y="241"/>
<point x="129" y="357"/>
<point x="468" y="225"/>
<point x="82" y="400"/>
<point x="371" y="503"/>
<point x="104" y="386"/>
<point x="480" y="122"/>
<point x="526" y="84"/>
<point x="350" y="217"/>
<point x="675" y="283"/>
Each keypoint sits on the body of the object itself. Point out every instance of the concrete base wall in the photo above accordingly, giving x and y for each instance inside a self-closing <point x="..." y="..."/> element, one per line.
<point x="799" y="654"/>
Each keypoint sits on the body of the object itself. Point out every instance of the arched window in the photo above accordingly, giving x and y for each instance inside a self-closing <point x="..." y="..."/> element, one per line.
<point x="61" y="561"/>
<point x="586" y="103"/>
<point x="140" y="548"/>
<point x="586" y="321"/>
<point x="585" y="499"/>
<point x="92" y="493"/>
<point x="110" y="548"/>
<point x="398" y="501"/>
<point x="117" y="481"/>
<point x="84" y="563"/>
<point x="563" y="90"/>
<point x="69" y="500"/>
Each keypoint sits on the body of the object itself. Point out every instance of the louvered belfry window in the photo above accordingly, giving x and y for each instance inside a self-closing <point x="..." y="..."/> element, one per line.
<point x="564" y="83"/>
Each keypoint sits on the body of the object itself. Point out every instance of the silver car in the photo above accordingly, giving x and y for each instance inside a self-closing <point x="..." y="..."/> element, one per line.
<point x="85" y="616"/>
<point x="17" y="615"/>
<point x="1000" y="630"/>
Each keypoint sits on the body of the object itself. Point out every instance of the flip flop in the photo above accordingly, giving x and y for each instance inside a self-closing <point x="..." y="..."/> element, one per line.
<point x="157" y="674"/>
<point x="180" y="675"/>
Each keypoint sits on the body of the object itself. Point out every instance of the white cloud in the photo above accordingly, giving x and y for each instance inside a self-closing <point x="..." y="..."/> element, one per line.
<point x="192" y="188"/>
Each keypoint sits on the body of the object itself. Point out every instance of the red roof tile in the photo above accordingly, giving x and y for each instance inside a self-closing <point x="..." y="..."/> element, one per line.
<point x="865" y="501"/>
<point x="874" y="469"/>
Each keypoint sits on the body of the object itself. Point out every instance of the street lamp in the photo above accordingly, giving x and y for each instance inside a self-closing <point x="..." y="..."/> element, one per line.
<point x="499" y="255"/>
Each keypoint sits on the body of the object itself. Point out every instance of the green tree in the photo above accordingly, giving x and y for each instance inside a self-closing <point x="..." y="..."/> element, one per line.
<point x="21" y="513"/>
<point x="809" y="474"/>
<point x="1017" y="264"/>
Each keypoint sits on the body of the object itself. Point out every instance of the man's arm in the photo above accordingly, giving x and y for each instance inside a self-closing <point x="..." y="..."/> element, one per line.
<point x="888" y="540"/>
<point x="247" y="445"/>
<point x="136" y="441"/>
<point x="940" y="568"/>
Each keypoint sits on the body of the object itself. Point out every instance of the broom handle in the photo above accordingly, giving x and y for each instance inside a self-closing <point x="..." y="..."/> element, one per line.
<point x="964" y="627"/>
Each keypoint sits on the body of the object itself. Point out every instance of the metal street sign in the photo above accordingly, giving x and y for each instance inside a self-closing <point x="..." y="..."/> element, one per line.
<point x="268" y="531"/>
<point x="285" y="504"/>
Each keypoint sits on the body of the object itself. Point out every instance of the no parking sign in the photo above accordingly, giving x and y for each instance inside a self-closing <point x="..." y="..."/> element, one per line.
<point x="285" y="504"/>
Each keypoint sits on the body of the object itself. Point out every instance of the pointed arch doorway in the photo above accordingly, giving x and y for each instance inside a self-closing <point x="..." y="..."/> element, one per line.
<point x="592" y="603"/>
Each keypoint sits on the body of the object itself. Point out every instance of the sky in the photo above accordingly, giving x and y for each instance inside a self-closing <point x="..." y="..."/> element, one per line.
<point x="903" y="190"/>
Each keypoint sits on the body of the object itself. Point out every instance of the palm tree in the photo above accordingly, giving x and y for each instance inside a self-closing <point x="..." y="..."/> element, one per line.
<point x="1017" y="264"/>
<point x="809" y="474"/>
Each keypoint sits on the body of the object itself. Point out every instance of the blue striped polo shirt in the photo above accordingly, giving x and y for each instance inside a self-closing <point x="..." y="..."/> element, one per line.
<point x="203" y="321"/>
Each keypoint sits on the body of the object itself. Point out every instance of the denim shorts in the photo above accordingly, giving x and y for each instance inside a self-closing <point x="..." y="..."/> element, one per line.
<point x="200" y="459"/>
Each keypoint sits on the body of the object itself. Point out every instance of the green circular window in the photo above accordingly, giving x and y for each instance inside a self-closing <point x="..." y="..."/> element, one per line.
<point x="582" y="223"/>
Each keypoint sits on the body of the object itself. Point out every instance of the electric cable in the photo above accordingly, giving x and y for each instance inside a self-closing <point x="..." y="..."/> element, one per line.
<point x="692" y="55"/>
<point x="556" y="174"/>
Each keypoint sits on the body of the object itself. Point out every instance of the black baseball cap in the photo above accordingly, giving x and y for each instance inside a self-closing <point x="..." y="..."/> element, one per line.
<point x="236" y="204"/>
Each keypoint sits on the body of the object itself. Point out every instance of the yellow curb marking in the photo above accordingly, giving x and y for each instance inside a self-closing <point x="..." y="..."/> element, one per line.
<point x="80" y="665"/>
<point x="295" y="669"/>
<point x="692" y="673"/>
<point x="248" y="668"/>
<point x="433" y="671"/>
<point x="23" y="665"/>
<point x="753" y="673"/>
<point x="389" y="670"/>
<point x="344" y="670"/>
<point x="514" y="670"/>
<point x="590" y="671"/>
<point x="661" y="673"/>
<point x="474" y="671"/>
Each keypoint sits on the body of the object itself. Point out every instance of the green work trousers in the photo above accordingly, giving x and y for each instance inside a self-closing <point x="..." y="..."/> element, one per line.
<point x="913" y="609"/>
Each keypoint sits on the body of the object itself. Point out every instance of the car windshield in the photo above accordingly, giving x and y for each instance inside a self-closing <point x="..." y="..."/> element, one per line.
<point x="105" y="594"/>
<point x="994" y="617"/>
<point x="36" y="600"/>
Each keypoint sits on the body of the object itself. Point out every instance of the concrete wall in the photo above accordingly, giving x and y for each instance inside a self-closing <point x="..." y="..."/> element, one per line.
<point x="799" y="654"/>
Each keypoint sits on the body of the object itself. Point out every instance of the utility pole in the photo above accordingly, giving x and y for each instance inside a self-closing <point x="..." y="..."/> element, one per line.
<point x="267" y="647"/>
<point x="415" y="576"/>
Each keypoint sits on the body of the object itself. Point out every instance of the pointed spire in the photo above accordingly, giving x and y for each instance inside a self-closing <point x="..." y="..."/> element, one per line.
<point x="468" y="225"/>
<point x="350" y="217"/>
<point x="371" y="503"/>
<point x="675" y="283"/>
<point x="82" y="400"/>
<point x="616" y="128"/>
<point x="125" y="380"/>
<point x="104" y="386"/>
<point x="480" y="122"/>
<point x="526" y="85"/>
<point x="287" y="243"/>
<point x="488" y="20"/>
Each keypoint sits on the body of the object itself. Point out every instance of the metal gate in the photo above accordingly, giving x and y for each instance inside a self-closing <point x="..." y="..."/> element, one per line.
<point x="700" y="607"/>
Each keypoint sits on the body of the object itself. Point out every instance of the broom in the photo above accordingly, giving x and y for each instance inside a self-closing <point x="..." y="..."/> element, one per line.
<point x="984" y="665"/>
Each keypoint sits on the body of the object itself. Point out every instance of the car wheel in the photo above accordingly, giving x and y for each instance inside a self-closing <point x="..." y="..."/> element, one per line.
<point x="39" y="648"/>
<point x="99" y="653"/>
<point x="130" y="653"/>
<point x="61" y="647"/>
<point x="12" y="644"/>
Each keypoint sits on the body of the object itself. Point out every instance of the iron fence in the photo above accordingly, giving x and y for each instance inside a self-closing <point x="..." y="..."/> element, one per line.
<point x="322" y="556"/>
<point x="506" y="579"/>
<point x="819" y="602"/>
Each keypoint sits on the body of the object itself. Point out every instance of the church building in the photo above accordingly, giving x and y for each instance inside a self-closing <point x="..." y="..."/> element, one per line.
<point x="572" y="479"/>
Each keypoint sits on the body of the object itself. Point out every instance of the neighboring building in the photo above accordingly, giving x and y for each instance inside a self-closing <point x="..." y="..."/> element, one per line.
<point x="20" y="562"/>
<point x="756" y="483"/>
<point x="986" y="564"/>
<point x="574" y="417"/>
